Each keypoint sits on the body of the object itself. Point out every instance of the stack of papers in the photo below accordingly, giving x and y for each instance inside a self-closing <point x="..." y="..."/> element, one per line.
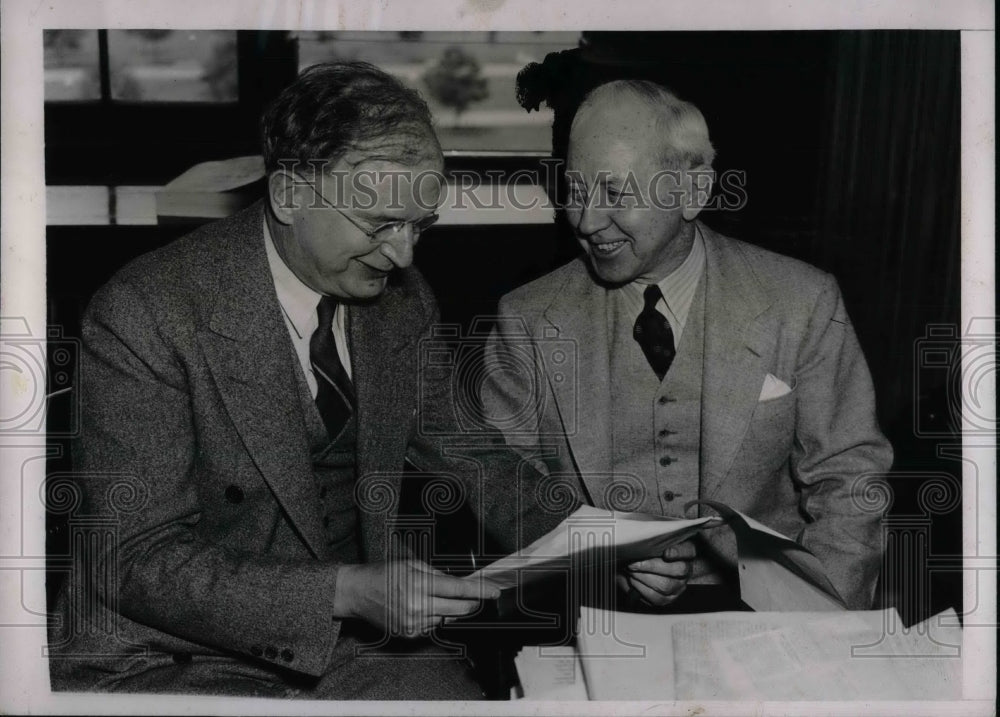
<point x="769" y="656"/>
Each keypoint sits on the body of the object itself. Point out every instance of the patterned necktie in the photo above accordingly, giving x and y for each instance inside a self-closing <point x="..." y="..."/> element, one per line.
<point x="335" y="395"/>
<point x="653" y="332"/>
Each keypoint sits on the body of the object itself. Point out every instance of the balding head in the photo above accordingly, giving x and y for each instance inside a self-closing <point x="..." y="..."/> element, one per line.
<point x="627" y="107"/>
<point x="634" y="154"/>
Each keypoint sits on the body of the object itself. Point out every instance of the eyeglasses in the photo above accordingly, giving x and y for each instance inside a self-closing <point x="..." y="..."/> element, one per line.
<point x="383" y="232"/>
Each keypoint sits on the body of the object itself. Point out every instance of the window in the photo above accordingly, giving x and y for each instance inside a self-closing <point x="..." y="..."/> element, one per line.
<point x="143" y="65"/>
<point x="71" y="65"/>
<point x="173" y="65"/>
<point x="467" y="78"/>
<point x="137" y="108"/>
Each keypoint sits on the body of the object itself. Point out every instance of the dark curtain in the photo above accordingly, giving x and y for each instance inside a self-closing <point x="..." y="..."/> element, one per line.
<point x="889" y="206"/>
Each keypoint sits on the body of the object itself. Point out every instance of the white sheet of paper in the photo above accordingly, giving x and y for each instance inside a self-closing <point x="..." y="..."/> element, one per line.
<point x="818" y="660"/>
<point x="591" y="536"/>
<point x="770" y="656"/>
<point x="550" y="673"/>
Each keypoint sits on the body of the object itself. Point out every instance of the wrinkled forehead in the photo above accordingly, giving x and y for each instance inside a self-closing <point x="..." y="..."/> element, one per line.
<point x="403" y="169"/>
<point x="389" y="186"/>
<point x="411" y="145"/>
<point x="606" y="139"/>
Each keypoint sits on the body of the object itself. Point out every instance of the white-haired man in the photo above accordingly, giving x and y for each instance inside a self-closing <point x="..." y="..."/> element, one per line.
<point x="705" y="368"/>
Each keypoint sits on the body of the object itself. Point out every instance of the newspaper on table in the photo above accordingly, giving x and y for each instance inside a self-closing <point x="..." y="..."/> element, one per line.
<point x="860" y="655"/>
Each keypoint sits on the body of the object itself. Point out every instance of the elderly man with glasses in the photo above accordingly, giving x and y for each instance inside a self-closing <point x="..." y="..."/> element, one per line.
<point x="254" y="387"/>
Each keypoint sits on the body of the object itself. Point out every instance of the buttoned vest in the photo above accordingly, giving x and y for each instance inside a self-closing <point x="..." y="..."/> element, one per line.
<point x="656" y="426"/>
<point x="334" y="466"/>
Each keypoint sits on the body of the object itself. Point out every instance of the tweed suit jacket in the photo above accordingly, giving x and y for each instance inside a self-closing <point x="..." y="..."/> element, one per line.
<point x="191" y="408"/>
<point x="797" y="462"/>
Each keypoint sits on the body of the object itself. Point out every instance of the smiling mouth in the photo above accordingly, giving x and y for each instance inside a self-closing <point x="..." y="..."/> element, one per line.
<point x="608" y="248"/>
<point x="374" y="269"/>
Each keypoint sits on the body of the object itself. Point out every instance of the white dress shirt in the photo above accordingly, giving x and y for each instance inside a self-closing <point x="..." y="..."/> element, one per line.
<point x="678" y="289"/>
<point x="298" y="304"/>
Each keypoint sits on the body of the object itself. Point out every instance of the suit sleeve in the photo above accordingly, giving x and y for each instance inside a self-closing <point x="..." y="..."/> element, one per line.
<point x="514" y="387"/>
<point x="506" y="490"/>
<point x="838" y="450"/>
<point x="139" y="429"/>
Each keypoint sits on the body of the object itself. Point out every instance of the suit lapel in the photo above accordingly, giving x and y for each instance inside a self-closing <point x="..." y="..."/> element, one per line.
<point x="250" y="355"/>
<point x="738" y="343"/>
<point x="579" y="314"/>
<point x="382" y="374"/>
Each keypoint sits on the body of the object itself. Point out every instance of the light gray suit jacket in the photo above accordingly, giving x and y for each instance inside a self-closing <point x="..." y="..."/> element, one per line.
<point x="194" y="451"/>
<point x="798" y="462"/>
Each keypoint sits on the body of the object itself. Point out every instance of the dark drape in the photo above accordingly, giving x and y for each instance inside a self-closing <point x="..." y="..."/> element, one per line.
<point x="888" y="197"/>
<point x="888" y="209"/>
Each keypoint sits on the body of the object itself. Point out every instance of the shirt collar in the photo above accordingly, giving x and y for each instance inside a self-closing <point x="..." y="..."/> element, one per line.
<point x="678" y="286"/>
<point x="297" y="300"/>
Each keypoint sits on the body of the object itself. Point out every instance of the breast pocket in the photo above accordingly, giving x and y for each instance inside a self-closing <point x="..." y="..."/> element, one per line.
<point x="771" y="432"/>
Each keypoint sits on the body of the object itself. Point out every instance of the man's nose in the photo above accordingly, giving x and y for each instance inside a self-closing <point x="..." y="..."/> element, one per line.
<point x="591" y="219"/>
<point x="399" y="248"/>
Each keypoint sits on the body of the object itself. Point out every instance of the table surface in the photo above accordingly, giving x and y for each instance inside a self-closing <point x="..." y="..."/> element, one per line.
<point x="548" y="615"/>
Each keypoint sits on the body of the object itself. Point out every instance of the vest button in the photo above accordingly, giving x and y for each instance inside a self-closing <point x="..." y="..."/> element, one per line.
<point x="663" y="433"/>
<point x="234" y="494"/>
<point x="324" y="491"/>
<point x="270" y="652"/>
<point x="327" y="521"/>
<point x="662" y="400"/>
<point x="287" y="655"/>
<point x="669" y="495"/>
<point x="666" y="461"/>
<point x="256" y="650"/>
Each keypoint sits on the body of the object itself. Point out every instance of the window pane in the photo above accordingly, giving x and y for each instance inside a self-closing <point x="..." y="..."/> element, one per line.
<point x="71" y="65"/>
<point x="467" y="79"/>
<point x="173" y="65"/>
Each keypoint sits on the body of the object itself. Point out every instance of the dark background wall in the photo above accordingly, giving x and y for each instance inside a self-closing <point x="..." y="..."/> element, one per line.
<point x="849" y="142"/>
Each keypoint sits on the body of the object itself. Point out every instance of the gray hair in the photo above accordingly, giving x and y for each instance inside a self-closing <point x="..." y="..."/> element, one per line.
<point x="681" y="125"/>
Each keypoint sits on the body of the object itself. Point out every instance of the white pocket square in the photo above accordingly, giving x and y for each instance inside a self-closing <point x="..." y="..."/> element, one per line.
<point x="773" y="388"/>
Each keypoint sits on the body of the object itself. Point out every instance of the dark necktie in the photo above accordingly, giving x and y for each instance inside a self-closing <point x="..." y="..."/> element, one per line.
<point x="335" y="394"/>
<point x="653" y="332"/>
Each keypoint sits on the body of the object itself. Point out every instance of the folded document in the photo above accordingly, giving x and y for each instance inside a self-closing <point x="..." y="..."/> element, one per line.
<point x="776" y="573"/>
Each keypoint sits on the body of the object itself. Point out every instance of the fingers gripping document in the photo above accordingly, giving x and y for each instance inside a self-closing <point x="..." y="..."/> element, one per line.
<point x="776" y="573"/>
<point x="588" y="538"/>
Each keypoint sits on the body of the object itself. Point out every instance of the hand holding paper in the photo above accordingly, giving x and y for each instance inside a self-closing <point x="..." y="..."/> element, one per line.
<point x="659" y="580"/>
<point x="651" y="555"/>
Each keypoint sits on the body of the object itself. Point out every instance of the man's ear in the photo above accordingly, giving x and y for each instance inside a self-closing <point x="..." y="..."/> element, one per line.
<point x="698" y="190"/>
<point x="281" y="195"/>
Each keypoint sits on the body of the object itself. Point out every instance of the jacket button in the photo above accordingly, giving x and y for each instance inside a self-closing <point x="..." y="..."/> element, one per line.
<point x="256" y="650"/>
<point x="664" y="432"/>
<point x="662" y="400"/>
<point x="669" y="495"/>
<point x="234" y="494"/>
<point x="287" y="655"/>
<point x="270" y="652"/>
<point x="182" y="658"/>
<point x="666" y="461"/>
